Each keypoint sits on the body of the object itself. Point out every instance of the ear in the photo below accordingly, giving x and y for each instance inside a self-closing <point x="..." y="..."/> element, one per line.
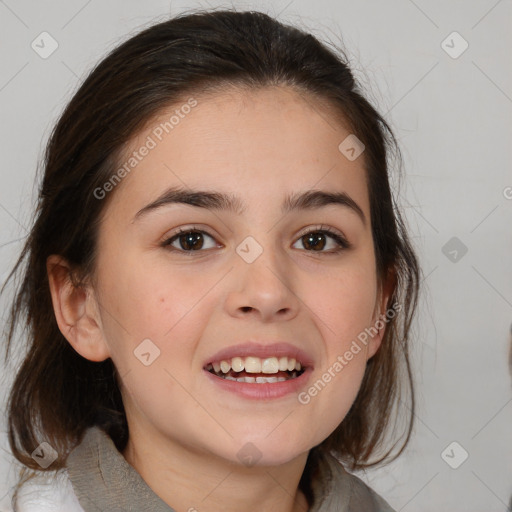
<point x="76" y="311"/>
<point x="379" y="321"/>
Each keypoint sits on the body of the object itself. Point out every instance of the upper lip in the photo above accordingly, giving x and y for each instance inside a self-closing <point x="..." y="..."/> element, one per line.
<point x="261" y="350"/>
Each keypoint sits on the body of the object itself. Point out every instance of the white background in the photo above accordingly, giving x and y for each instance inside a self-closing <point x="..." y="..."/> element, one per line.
<point x="453" y="119"/>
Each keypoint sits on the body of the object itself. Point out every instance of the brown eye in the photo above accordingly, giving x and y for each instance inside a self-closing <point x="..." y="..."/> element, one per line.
<point x="314" y="241"/>
<point x="320" y="239"/>
<point x="188" y="241"/>
<point x="191" y="241"/>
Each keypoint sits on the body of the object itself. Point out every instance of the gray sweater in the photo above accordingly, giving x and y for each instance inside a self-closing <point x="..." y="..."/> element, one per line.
<point x="98" y="478"/>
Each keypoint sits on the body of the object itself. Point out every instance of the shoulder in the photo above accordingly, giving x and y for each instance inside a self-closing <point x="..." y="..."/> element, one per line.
<point x="47" y="492"/>
<point x="364" y="497"/>
<point x="354" y="494"/>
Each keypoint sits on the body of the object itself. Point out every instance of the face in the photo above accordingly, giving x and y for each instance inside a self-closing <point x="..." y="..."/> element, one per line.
<point x="183" y="289"/>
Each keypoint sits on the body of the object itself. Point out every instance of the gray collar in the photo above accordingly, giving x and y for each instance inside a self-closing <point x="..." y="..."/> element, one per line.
<point x="103" y="480"/>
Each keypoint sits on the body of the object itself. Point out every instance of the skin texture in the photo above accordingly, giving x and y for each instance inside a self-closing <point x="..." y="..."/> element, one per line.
<point x="185" y="432"/>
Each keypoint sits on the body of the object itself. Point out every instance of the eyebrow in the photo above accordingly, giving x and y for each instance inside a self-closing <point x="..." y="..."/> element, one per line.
<point x="211" y="200"/>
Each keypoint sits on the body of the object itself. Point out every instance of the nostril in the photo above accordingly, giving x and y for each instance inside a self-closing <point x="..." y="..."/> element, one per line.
<point x="245" y="309"/>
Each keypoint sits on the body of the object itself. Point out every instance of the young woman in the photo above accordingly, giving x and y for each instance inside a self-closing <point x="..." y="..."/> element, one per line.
<point x="218" y="284"/>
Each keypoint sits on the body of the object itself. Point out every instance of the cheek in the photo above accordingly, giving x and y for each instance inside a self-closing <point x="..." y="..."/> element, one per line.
<point x="152" y="300"/>
<point x="149" y="300"/>
<point x="159" y="394"/>
<point x="333" y="391"/>
<point x="166" y="310"/>
<point x="344" y="303"/>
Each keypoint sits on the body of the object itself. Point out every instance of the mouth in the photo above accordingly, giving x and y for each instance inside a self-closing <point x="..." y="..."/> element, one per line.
<point x="256" y="370"/>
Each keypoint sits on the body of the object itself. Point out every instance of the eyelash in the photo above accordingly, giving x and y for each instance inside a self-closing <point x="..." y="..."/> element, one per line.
<point x="343" y="244"/>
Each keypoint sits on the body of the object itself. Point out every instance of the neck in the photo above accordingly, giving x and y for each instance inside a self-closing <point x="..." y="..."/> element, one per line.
<point x="190" y="480"/>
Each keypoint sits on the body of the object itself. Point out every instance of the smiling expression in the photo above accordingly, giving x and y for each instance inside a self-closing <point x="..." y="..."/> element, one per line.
<point x="240" y="247"/>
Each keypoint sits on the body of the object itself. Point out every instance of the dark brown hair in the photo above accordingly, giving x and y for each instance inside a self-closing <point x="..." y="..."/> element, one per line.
<point x="57" y="393"/>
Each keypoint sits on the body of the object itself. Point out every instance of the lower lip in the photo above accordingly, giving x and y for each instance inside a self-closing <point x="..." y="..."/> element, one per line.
<point x="263" y="391"/>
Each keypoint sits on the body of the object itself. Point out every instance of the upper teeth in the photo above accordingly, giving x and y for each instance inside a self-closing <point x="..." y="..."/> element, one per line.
<point x="257" y="365"/>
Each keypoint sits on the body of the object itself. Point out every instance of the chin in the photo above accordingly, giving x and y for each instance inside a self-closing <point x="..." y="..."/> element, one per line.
<point x="260" y="451"/>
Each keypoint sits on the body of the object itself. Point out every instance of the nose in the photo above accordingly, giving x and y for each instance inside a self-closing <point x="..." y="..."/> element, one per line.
<point x="263" y="289"/>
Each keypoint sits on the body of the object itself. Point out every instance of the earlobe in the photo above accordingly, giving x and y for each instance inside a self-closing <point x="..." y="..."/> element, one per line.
<point x="380" y="318"/>
<point x="376" y="340"/>
<point x="76" y="316"/>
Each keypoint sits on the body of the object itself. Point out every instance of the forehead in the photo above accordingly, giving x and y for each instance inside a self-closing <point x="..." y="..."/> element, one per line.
<point x="256" y="144"/>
